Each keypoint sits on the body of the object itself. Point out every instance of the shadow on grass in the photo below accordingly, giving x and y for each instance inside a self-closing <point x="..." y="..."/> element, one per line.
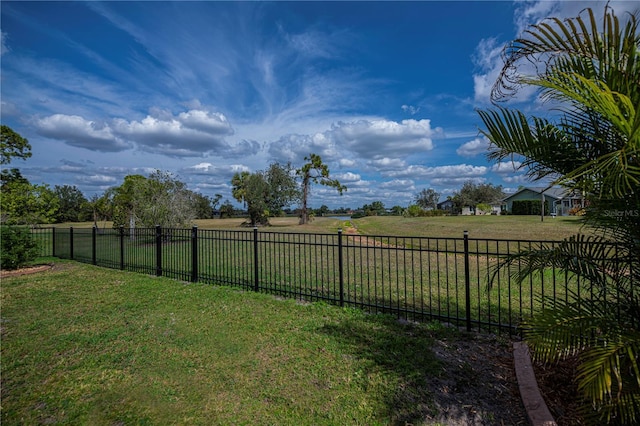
<point x="403" y="353"/>
<point x="434" y="374"/>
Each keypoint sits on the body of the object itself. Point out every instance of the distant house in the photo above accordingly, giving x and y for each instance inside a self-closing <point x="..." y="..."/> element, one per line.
<point x="446" y="205"/>
<point x="496" y="208"/>
<point x="467" y="211"/>
<point x="559" y="201"/>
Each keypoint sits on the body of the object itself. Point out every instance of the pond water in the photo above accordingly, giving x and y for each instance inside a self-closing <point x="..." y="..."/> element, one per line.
<point x="340" y="217"/>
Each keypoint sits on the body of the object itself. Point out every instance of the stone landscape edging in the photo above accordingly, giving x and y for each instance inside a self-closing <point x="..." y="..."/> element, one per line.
<point x="25" y="271"/>
<point x="537" y="410"/>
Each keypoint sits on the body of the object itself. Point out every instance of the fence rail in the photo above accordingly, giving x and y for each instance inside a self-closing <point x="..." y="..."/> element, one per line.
<point x="416" y="278"/>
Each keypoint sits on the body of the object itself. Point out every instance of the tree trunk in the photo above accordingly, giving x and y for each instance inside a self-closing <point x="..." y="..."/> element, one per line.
<point x="304" y="216"/>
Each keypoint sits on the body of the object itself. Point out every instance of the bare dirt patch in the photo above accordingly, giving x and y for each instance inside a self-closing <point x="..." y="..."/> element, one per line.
<point x="362" y="240"/>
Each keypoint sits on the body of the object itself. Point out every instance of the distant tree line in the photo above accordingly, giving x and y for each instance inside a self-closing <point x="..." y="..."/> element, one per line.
<point x="162" y="199"/>
<point x="159" y="199"/>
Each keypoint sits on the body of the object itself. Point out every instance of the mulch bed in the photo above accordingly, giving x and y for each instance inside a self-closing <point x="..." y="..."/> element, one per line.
<point x="560" y="391"/>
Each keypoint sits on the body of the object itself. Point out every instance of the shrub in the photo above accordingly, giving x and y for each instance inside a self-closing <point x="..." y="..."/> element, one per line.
<point x="577" y="211"/>
<point x="18" y="247"/>
<point x="414" y="210"/>
<point x="484" y="208"/>
<point x="528" y="207"/>
<point x="435" y="212"/>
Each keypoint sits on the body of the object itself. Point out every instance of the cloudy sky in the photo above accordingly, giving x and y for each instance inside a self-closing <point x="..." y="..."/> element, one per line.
<point x="385" y="92"/>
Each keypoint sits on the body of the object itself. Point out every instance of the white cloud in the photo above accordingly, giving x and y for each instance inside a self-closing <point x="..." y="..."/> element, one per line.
<point x="345" y="162"/>
<point x="488" y="52"/>
<point x="516" y="179"/>
<point x="347" y="177"/>
<point x="410" y="109"/>
<point x="506" y="167"/>
<point x="377" y="139"/>
<point x="209" y="169"/>
<point x="294" y="147"/>
<point x="314" y="44"/>
<point x="205" y="121"/>
<point x="382" y="141"/>
<point x="190" y="134"/>
<point x="489" y="60"/>
<point x="98" y="180"/>
<point x="398" y="185"/>
<point x="388" y="163"/>
<point x="3" y="43"/>
<point x="459" y="171"/>
<point x="201" y="167"/>
<point x="79" y="132"/>
<point x="531" y="12"/>
<point x="457" y="181"/>
<point x="472" y="148"/>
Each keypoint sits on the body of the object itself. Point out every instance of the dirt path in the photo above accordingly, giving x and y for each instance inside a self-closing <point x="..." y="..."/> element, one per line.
<point x="362" y="240"/>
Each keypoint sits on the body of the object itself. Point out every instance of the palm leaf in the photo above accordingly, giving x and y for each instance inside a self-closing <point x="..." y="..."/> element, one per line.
<point x="608" y="375"/>
<point x="594" y="76"/>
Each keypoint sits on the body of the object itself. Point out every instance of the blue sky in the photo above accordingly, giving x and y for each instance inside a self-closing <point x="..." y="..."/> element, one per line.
<point x="385" y="92"/>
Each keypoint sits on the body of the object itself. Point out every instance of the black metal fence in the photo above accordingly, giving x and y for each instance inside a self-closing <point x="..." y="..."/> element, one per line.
<point x="447" y="279"/>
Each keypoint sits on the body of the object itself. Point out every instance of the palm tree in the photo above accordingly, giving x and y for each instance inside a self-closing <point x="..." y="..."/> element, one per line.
<point x="592" y="77"/>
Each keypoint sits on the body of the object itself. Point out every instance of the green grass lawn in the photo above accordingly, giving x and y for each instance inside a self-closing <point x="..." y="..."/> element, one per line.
<point x="428" y="284"/>
<point x="89" y="345"/>
<point x="495" y="227"/>
<point x="492" y="227"/>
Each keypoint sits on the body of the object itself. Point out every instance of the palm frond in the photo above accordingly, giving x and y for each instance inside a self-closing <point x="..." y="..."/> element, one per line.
<point x="608" y="352"/>
<point x="593" y="75"/>
<point x="608" y="375"/>
<point x="545" y="147"/>
<point x="611" y="51"/>
<point x="592" y="258"/>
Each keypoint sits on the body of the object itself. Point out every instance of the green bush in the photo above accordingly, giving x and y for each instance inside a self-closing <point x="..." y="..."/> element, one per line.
<point x="436" y="212"/>
<point x="484" y="208"/>
<point x="18" y="247"/>
<point x="414" y="210"/>
<point x="528" y="207"/>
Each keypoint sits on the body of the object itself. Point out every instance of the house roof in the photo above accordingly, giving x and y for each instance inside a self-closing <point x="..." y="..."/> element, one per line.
<point x="554" y="192"/>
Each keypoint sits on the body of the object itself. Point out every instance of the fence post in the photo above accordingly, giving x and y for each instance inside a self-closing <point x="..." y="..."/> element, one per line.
<point x="256" y="283"/>
<point x="94" y="232"/>
<point x="467" y="284"/>
<point x="121" y="247"/>
<point x="71" y="242"/>
<point x="340" y="267"/>
<point x="53" y="241"/>
<point x="194" y="254"/>
<point x="158" y="250"/>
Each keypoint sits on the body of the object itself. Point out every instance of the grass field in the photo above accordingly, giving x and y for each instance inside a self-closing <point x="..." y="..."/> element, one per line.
<point x="88" y="345"/>
<point x="498" y="227"/>
<point x="416" y="274"/>
<point x="492" y="227"/>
